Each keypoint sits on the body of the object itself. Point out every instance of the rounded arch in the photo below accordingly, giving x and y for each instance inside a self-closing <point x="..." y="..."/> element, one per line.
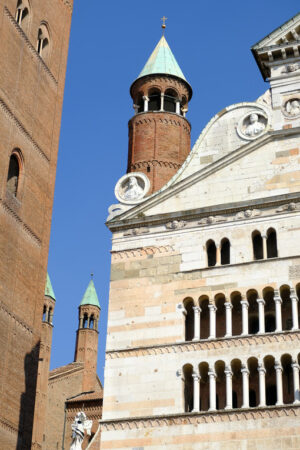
<point x="257" y="244"/>
<point x="15" y="172"/>
<point x="219" y="301"/>
<point x="92" y="322"/>
<point x="23" y="13"/>
<point x="188" y="391"/>
<point x="286" y="307"/>
<point x="85" y="321"/>
<point x="43" y="41"/>
<point x="237" y="388"/>
<point x="236" y="298"/>
<point x="211" y="251"/>
<point x="204" y="317"/>
<point x="225" y="251"/>
<point x="287" y="378"/>
<point x="189" y="304"/>
<point x="170" y="100"/>
<point x="271" y="390"/>
<point x="252" y="364"/>
<point x="270" y="315"/>
<point x="253" y="320"/>
<point x="204" y="386"/>
<point x="272" y="243"/>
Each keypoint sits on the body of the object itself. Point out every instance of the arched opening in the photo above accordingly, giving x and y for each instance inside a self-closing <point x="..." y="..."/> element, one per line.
<point x="13" y="175"/>
<point x="220" y="315"/>
<point x="154" y="100"/>
<point x="236" y="313"/>
<point x="204" y="317"/>
<point x="271" y="392"/>
<point x="22" y="13"/>
<point x="45" y="313"/>
<point x="253" y="382"/>
<point x="43" y="41"/>
<point x="257" y="243"/>
<point x="50" y="314"/>
<point x="270" y="316"/>
<point x="234" y="400"/>
<point x="170" y="99"/>
<point x="253" y="322"/>
<point x="188" y="388"/>
<point x="211" y="251"/>
<point x="220" y="385"/>
<point x="140" y="103"/>
<point x="236" y="367"/>
<point x="85" y="321"/>
<point x="286" y="307"/>
<point x="271" y="243"/>
<point x="92" y="322"/>
<point x="204" y="386"/>
<point x="225" y="251"/>
<point x="188" y="304"/>
<point x="287" y="379"/>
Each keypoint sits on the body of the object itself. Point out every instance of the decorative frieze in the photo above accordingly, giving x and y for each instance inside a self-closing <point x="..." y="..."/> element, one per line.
<point x="140" y="252"/>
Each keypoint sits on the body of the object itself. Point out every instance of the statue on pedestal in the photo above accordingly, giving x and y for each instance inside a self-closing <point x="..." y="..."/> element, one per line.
<point x="79" y="426"/>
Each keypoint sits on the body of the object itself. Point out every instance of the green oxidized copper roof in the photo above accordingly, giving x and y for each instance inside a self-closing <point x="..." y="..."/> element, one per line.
<point x="163" y="61"/>
<point x="90" y="296"/>
<point x="49" y="289"/>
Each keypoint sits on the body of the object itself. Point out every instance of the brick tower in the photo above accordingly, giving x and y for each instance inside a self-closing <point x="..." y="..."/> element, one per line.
<point x="86" y="349"/>
<point x="33" y="48"/>
<point x="159" y="133"/>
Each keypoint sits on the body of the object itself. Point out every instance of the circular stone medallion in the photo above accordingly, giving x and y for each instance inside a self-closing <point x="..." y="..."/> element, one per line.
<point x="252" y="125"/>
<point x="132" y="188"/>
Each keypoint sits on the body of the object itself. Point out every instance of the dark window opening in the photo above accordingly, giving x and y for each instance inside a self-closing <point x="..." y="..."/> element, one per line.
<point x="271" y="244"/>
<point x="270" y="323"/>
<point x="92" y="320"/>
<point x="189" y="321"/>
<point x="252" y="398"/>
<point x="257" y="246"/>
<point x="234" y="399"/>
<point x="148" y="169"/>
<point x="253" y="325"/>
<point x="154" y="102"/>
<point x="211" y="254"/>
<point x="13" y="175"/>
<point x="85" y="321"/>
<point x="188" y="391"/>
<point x="225" y="252"/>
<point x="271" y="395"/>
<point x="45" y="313"/>
<point x="169" y="104"/>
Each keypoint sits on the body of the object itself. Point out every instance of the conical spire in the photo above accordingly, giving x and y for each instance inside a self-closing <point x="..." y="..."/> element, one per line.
<point x="49" y="289"/>
<point x="162" y="61"/>
<point x="90" y="296"/>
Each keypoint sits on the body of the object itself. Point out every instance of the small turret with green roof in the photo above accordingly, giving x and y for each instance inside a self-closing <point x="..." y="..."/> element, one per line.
<point x="49" y="292"/>
<point x="90" y="296"/>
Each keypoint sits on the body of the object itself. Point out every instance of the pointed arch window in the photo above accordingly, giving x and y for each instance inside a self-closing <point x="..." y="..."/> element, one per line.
<point x="43" y="41"/>
<point x="22" y="12"/>
<point x="13" y="175"/>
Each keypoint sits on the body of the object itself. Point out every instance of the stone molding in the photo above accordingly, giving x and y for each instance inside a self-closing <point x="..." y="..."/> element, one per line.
<point x="200" y="418"/>
<point x="8" y="426"/>
<point x="18" y="321"/>
<point x="10" y="212"/>
<point x="140" y="252"/>
<point x="154" y="163"/>
<point x="21" y="127"/>
<point x="214" y="344"/>
<point x="29" y="45"/>
<point x="179" y="121"/>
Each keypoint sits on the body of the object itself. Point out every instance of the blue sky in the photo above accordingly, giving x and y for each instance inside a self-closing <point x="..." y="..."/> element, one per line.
<point x="109" y="45"/>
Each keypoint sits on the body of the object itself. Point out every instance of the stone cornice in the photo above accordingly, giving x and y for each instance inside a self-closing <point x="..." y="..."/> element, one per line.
<point x="204" y="417"/>
<point x="206" y="344"/>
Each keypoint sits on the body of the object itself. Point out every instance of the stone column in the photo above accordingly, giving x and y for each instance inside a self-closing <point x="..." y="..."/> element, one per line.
<point x="245" y="374"/>
<point x="178" y="107"/>
<point x="146" y="102"/>
<point x="197" y="318"/>
<point x="228" y="374"/>
<point x="245" y="321"/>
<point x="196" y="390"/>
<point x="262" y="385"/>
<point x="212" y="390"/>
<point x="261" y="314"/>
<point x="80" y="322"/>
<point x="295" y="367"/>
<point x="265" y="251"/>
<point x="162" y="101"/>
<point x="294" y="300"/>
<point x="278" y="302"/>
<point x="218" y="255"/>
<point x="212" y="321"/>
<point x="278" y="369"/>
<point x="228" y="312"/>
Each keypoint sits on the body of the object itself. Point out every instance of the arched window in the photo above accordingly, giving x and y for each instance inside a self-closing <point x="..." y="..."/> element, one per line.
<point x="140" y="103"/>
<point x="225" y="251"/>
<point x="188" y="388"/>
<point x="13" y="175"/>
<point x="43" y="41"/>
<point x="271" y="243"/>
<point x="85" y="321"/>
<point x="170" y="99"/>
<point x="211" y="253"/>
<point x="189" y="319"/>
<point x="92" y="321"/>
<point x="257" y="245"/>
<point x="45" y="313"/>
<point x="154" y="100"/>
<point x="50" y="315"/>
<point x="22" y="12"/>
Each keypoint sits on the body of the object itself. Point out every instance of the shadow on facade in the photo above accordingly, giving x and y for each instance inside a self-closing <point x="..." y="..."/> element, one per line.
<point x="28" y="399"/>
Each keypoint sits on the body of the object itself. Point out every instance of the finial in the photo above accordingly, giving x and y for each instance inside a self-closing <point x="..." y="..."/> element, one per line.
<point x="163" y="23"/>
<point x="92" y="275"/>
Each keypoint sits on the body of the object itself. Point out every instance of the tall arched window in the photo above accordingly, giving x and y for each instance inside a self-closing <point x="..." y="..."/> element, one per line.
<point x="257" y="245"/>
<point x="188" y="388"/>
<point x="189" y="319"/>
<point x="154" y="100"/>
<point x="45" y="313"/>
<point x="85" y="321"/>
<point x="170" y="99"/>
<point x="92" y="321"/>
<point x="22" y="12"/>
<point x="271" y="243"/>
<point x="43" y="41"/>
<point x="211" y="253"/>
<point x="13" y="175"/>
<point x="50" y="314"/>
<point x="225" y="251"/>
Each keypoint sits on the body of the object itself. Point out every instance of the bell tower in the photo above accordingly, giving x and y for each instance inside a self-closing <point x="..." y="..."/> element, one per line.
<point x="159" y="133"/>
<point x="86" y="350"/>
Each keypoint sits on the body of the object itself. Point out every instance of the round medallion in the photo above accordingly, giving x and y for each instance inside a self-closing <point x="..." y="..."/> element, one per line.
<point x="291" y="108"/>
<point x="132" y="188"/>
<point x="252" y="125"/>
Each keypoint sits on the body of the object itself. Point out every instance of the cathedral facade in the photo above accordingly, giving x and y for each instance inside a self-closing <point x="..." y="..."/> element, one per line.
<point x="203" y="341"/>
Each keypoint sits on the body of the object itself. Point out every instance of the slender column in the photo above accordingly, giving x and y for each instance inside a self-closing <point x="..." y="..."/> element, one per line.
<point x="294" y="300"/>
<point x="178" y="107"/>
<point x="212" y="390"/>
<point x="278" y="369"/>
<point x="218" y="255"/>
<point x="295" y="367"/>
<point x="261" y="314"/>
<point x="262" y="385"/>
<point x="197" y="318"/>
<point x="80" y="322"/>
<point x="196" y="387"/>
<point x="228" y="311"/>
<point x="162" y="101"/>
<point x="146" y="102"/>
<point x="228" y="374"/>
<point x="278" y="302"/>
<point x="265" y="252"/>
<point x="245" y="374"/>
<point x="245" y="321"/>
<point x="212" y="321"/>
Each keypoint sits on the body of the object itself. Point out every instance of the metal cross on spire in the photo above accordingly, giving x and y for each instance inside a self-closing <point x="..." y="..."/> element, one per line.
<point x="163" y="23"/>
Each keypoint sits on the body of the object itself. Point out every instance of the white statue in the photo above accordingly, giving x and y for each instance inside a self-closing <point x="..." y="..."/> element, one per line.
<point x="293" y="107"/>
<point x="79" y="425"/>
<point x="255" y="127"/>
<point x="132" y="190"/>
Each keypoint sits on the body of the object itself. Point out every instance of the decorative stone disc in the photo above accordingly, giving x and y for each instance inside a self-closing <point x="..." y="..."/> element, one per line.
<point x="132" y="188"/>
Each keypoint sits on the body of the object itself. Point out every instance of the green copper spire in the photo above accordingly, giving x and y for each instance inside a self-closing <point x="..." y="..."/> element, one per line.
<point x="163" y="61"/>
<point x="49" y="289"/>
<point x="90" y="296"/>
